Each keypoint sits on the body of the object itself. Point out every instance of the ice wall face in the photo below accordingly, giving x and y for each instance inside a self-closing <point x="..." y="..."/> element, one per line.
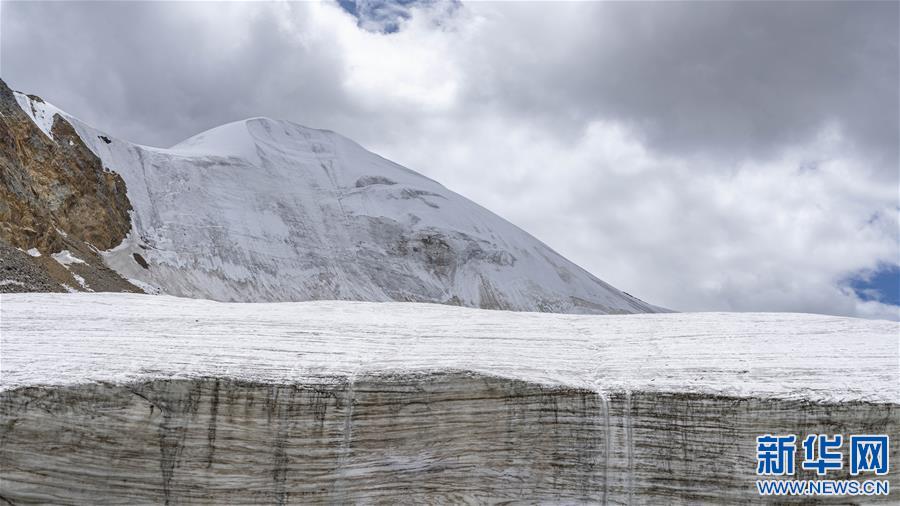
<point x="399" y="438"/>
<point x="265" y="210"/>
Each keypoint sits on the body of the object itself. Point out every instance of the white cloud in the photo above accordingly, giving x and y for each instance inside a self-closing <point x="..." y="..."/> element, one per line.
<point x="689" y="234"/>
<point x="415" y="68"/>
<point x="734" y="169"/>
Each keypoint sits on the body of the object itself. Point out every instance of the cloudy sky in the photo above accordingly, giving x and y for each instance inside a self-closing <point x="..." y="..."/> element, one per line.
<point x="702" y="156"/>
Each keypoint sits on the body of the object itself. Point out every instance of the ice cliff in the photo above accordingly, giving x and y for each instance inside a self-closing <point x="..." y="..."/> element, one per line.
<point x="115" y="398"/>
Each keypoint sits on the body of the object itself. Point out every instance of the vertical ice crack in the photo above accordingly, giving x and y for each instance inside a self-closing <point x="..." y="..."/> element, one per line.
<point x="629" y="445"/>
<point x="604" y="404"/>
<point x="344" y="458"/>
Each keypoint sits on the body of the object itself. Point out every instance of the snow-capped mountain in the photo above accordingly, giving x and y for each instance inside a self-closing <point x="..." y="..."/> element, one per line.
<point x="269" y="210"/>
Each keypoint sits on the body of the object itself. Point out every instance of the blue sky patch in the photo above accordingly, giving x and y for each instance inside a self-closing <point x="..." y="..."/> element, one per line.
<point x="379" y="15"/>
<point x="384" y="16"/>
<point x="882" y="285"/>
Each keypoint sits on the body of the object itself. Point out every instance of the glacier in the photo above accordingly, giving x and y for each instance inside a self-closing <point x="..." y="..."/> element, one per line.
<point x="126" y="398"/>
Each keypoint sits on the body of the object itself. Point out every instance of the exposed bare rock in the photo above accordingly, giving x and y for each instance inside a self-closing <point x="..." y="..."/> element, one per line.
<point x="56" y="196"/>
<point x="20" y="273"/>
<point x="52" y="186"/>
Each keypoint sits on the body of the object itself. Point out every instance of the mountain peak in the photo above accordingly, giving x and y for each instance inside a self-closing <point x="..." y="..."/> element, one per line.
<point x="243" y="138"/>
<point x="268" y="210"/>
<point x="230" y="139"/>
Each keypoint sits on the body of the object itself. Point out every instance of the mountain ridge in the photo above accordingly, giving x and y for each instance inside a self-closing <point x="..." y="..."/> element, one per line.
<point x="270" y="210"/>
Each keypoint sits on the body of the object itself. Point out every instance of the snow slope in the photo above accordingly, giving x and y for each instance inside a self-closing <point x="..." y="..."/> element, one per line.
<point x="64" y="339"/>
<point x="266" y="210"/>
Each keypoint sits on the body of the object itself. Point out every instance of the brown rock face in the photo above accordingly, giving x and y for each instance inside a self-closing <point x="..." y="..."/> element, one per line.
<point x="55" y="195"/>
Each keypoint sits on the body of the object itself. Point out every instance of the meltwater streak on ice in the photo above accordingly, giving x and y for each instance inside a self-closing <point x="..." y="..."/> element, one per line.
<point x="63" y="339"/>
<point x="264" y="210"/>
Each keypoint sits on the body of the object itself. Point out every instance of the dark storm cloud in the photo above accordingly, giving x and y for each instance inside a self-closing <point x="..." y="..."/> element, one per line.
<point x="731" y="79"/>
<point x="158" y="72"/>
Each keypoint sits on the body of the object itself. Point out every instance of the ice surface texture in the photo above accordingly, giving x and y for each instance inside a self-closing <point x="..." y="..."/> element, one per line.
<point x="61" y="339"/>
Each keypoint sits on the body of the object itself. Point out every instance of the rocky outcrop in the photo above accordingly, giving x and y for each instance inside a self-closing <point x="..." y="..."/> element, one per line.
<point x="55" y="195"/>
<point x="397" y="438"/>
<point x="20" y="272"/>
